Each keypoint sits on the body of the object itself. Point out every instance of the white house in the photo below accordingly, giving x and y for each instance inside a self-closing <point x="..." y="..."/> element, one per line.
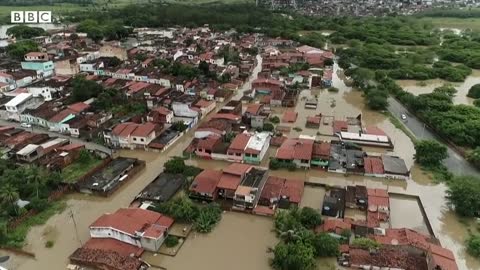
<point x="135" y="226"/>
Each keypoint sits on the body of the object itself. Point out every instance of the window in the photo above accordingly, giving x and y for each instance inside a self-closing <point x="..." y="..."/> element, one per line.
<point x="254" y="155"/>
<point x="135" y="139"/>
<point x="305" y="161"/>
<point x="142" y="139"/>
<point x="238" y="154"/>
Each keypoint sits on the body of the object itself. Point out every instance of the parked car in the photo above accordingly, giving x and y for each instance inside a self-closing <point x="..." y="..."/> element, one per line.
<point x="25" y="125"/>
<point x="403" y="116"/>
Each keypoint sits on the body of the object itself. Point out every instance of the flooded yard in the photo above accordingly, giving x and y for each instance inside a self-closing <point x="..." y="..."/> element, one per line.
<point x="418" y="87"/>
<point x="240" y="241"/>
<point x="402" y="207"/>
<point x="313" y="197"/>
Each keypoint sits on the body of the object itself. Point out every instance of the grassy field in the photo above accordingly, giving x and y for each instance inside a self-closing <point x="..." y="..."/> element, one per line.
<point x="67" y="7"/>
<point x="460" y="23"/>
<point x="72" y="172"/>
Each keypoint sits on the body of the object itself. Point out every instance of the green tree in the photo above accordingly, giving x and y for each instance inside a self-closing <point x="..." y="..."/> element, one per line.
<point x="171" y="241"/>
<point x="175" y="165"/>
<point x="84" y="89"/>
<point x="474" y="156"/>
<point x="208" y="217"/>
<point x="447" y="90"/>
<point x="293" y="256"/>
<point x="473" y="245"/>
<point x="268" y="127"/>
<point x="310" y="217"/>
<point x="430" y="153"/>
<point x="365" y="243"/>
<point x="25" y="32"/>
<point x="463" y="193"/>
<point x="274" y="119"/>
<point x="181" y="209"/>
<point x="19" y="49"/>
<point x="325" y="245"/>
<point x="179" y="126"/>
<point x="474" y="91"/>
<point x="9" y="195"/>
<point x="377" y="100"/>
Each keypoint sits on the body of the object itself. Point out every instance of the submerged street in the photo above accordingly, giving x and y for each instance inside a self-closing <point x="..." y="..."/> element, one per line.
<point x="255" y="232"/>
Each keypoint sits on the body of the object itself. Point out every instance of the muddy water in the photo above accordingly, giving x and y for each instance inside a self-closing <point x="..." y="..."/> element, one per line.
<point x="313" y="197"/>
<point x="231" y="236"/>
<point x="248" y="84"/>
<point x="416" y="88"/>
<point x="402" y="207"/>
<point x="240" y="241"/>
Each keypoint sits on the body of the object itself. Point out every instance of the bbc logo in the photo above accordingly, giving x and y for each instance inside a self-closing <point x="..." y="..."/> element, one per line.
<point x="31" y="17"/>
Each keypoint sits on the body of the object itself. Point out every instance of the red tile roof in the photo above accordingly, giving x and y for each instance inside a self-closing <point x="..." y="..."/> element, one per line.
<point x="403" y="237"/>
<point x="321" y="149"/>
<point x="289" y="116"/>
<point x="374" y="131"/>
<point x="253" y="109"/>
<point x="239" y="142"/>
<point x="339" y="126"/>
<point x="144" y="130"/>
<point x="134" y="129"/>
<point x="314" y="120"/>
<point x="109" y="244"/>
<point x="443" y="258"/>
<point x="229" y="181"/>
<point x="206" y="181"/>
<point x="79" y="107"/>
<point x="202" y="103"/>
<point x="293" y="189"/>
<point x="132" y="220"/>
<point x="393" y="258"/>
<point x="226" y="116"/>
<point x="59" y="117"/>
<point x="209" y="142"/>
<point x="137" y="86"/>
<point x="238" y="169"/>
<point x="295" y="149"/>
<point x="273" y="188"/>
<point x="333" y="225"/>
<point x="373" y="165"/>
<point x="105" y="259"/>
<point x="162" y="110"/>
<point x="71" y="146"/>
<point x="266" y="81"/>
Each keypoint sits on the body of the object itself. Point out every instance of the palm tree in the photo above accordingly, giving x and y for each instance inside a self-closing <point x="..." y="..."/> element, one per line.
<point x="9" y="195"/>
<point x="35" y="178"/>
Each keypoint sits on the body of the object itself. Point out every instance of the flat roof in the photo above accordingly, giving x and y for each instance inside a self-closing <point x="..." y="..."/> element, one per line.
<point x="162" y="188"/>
<point x="19" y="99"/>
<point x="107" y="178"/>
<point x="258" y="140"/>
<point x="27" y="149"/>
<point x="364" y="137"/>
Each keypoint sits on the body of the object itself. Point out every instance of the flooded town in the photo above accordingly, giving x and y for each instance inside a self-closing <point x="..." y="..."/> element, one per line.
<point x="188" y="147"/>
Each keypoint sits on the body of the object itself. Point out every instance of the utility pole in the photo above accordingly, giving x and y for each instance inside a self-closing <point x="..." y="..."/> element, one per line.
<point x="75" y="226"/>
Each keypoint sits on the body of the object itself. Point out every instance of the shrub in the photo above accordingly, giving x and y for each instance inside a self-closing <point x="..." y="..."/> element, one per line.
<point x="365" y="243"/>
<point x="49" y="244"/>
<point x="171" y="241"/>
<point x="208" y="217"/>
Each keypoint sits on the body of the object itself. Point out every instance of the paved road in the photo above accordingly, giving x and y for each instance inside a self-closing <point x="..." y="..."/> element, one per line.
<point x="88" y="145"/>
<point x="455" y="162"/>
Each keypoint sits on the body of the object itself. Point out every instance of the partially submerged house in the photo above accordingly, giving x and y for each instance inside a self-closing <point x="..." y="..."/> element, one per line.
<point x="249" y="191"/>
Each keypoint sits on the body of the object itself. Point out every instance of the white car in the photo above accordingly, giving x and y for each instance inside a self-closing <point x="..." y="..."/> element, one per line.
<point x="25" y="125"/>
<point x="403" y="116"/>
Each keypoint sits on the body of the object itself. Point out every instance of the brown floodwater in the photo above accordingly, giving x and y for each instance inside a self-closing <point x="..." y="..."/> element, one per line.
<point x="402" y="207"/>
<point x="240" y="237"/>
<point x="423" y="87"/>
<point x="240" y="241"/>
